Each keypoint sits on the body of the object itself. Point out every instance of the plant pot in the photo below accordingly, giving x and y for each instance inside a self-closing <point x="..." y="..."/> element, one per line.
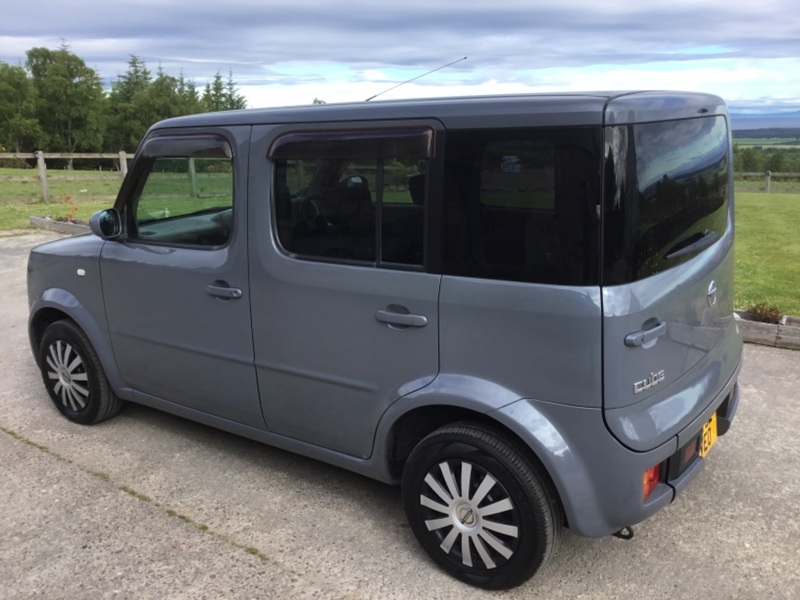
<point x="785" y="334"/>
<point x="69" y="227"/>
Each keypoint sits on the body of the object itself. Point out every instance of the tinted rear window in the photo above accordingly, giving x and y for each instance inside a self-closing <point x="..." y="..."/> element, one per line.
<point x="523" y="205"/>
<point x="666" y="195"/>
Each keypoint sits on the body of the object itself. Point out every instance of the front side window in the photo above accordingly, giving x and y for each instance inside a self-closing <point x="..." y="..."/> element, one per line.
<point x="353" y="195"/>
<point x="666" y="195"/>
<point x="184" y="200"/>
<point x="522" y="205"/>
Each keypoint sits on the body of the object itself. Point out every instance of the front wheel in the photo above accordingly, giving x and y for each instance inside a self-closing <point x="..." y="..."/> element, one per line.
<point x="73" y="375"/>
<point x="479" y="508"/>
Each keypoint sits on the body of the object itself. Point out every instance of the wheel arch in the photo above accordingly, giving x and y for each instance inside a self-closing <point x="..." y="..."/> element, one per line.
<point x="414" y="425"/>
<point x="57" y="304"/>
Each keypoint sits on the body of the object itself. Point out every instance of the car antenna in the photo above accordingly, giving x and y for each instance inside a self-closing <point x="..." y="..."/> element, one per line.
<point x="415" y="78"/>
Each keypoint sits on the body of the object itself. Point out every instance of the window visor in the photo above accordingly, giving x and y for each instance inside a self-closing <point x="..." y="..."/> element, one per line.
<point x="355" y="143"/>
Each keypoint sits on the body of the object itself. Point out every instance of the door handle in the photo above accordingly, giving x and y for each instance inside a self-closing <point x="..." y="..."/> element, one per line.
<point x="223" y="290"/>
<point x="644" y="336"/>
<point x="401" y="319"/>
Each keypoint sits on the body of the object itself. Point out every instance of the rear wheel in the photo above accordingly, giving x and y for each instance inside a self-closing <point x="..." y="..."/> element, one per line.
<point x="73" y="375"/>
<point x="480" y="509"/>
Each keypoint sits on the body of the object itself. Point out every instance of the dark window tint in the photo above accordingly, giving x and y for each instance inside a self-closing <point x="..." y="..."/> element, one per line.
<point x="666" y="196"/>
<point x="522" y="205"/>
<point x="352" y="195"/>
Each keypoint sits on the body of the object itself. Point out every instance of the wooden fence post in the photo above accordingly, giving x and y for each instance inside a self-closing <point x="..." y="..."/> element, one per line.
<point x="767" y="180"/>
<point x="193" y="178"/>
<point x="123" y="163"/>
<point x="42" y="167"/>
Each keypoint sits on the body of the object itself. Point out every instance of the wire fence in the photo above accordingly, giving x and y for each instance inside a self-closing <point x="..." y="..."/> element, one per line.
<point x="114" y="161"/>
<point x="768" y="182"/>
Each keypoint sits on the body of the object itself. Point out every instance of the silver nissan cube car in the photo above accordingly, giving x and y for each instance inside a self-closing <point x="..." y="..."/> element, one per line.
<point x="518" y="308"/>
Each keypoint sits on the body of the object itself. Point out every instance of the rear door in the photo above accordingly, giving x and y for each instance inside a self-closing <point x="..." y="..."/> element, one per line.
<point x="669" y="339"/>
<point x="345" y="320"/>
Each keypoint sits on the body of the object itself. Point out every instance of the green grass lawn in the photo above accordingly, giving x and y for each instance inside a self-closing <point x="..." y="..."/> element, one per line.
<point x="78" y="198"/>
<point x="768" y="250"/>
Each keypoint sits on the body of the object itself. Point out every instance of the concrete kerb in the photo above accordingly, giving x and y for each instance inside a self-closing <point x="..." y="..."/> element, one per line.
<point x="785" y="334"/>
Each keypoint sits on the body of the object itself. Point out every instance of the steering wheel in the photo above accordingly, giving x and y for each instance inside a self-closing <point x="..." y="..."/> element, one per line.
<point x="311" y="214"/>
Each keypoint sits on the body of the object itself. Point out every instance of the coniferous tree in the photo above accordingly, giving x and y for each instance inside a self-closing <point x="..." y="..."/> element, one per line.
<point x="219" y="95"/>
<point x="126" y="125"/>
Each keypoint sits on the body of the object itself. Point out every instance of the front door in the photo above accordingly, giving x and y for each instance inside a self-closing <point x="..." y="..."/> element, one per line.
<point x="176" y="289"/>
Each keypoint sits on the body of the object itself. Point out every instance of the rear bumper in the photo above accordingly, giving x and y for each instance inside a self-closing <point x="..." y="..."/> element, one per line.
<point x="678" y="476"/>
<point x="599" y="480"/>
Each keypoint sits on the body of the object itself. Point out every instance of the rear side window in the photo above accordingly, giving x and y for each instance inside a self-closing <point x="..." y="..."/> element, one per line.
<point x="666" y="195"/>
<point x="355" y="195"/>
<point x="523" y="205"/>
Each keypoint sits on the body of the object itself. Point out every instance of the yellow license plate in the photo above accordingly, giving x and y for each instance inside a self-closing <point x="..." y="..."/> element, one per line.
<point x="709" y="436"/>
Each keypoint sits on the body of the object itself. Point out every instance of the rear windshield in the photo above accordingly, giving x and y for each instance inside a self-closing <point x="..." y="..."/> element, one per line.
<point x="666" y="195"/>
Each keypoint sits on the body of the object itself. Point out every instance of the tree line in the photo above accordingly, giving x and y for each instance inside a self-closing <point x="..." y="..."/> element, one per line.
<point x="758" y="159"/>
<point x="55" y="102"/>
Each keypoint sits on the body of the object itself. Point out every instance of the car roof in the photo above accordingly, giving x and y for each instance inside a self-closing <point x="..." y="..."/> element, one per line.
<point x="566" y="109"/>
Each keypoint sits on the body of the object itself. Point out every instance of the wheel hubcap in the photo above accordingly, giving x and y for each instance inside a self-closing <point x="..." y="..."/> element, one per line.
<point x="466" y="514"/>
<point x="470" y="513"/>
<point x="67" y="372"/>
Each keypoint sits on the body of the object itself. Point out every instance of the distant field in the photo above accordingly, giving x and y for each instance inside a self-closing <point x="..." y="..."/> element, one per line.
<point x="782" y="143"/>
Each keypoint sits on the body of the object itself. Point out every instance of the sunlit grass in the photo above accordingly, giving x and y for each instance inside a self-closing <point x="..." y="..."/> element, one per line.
<point x="768" y="250"/>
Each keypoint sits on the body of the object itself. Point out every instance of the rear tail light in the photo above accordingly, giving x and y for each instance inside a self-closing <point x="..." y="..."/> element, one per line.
<point x="650" y="480"/>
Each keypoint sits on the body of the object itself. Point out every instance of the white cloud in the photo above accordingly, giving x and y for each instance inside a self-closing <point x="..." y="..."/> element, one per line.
<point x="291" y="51"/>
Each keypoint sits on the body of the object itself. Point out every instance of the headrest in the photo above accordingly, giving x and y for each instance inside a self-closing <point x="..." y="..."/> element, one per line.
<point x="416" y="187"/>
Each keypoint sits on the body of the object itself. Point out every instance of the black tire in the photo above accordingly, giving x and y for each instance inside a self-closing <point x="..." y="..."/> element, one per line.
<point x="517" y="520"/>
<point x="73" y="375"/>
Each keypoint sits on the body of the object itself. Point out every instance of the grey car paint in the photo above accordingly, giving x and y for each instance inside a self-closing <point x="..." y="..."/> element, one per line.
<point x="531" y="358"/>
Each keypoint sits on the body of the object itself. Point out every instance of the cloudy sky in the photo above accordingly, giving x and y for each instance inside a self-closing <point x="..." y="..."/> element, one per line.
<point x="284" y="52"/>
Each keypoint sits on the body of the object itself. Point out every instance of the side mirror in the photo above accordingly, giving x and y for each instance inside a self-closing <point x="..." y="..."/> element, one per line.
<point x="106" y="224"/>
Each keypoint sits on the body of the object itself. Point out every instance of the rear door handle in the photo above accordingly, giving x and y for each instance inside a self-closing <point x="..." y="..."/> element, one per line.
<point x="224" y="291"/>
<point x="401" y="319"/>
<point x="643" y="336"/>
